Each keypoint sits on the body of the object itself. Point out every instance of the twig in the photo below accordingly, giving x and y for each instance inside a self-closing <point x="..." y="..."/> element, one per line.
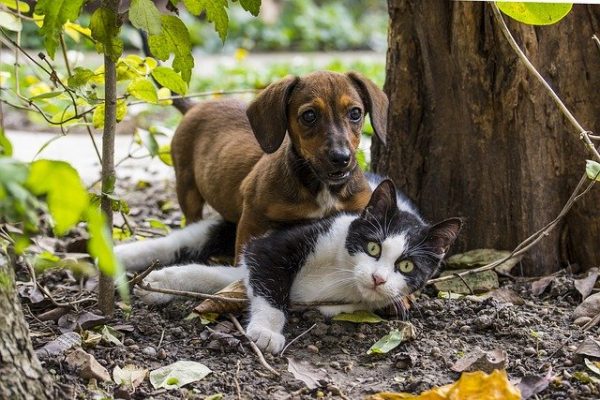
<point x="465" y="283"/>
<point x="592" y="323"/>
<point x="238" y="390"/>
<point x="201" y="94"/>
<point x="259" y="353"/>
<point x="194" y="295"/>
<point x="296" y="338"/>
<point x="162" y="336"/>
<point x="138" y="278"/>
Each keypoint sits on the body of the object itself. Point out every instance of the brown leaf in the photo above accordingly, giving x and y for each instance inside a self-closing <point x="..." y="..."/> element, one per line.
<point x="31" y="292"/>
<point x="312" y="376"/>
<point x="504" y="295"/>
<point x="486" y="361"/>
<point x="590" y="307"/>
<point x="76" y="321"/>
<point x="87" y="365"/>
<point x="585" y="285"/>
<point x="589" y="348"/>
<point x="538" y="287"/>
<point x="59" y="345"/>
<point x="531" y="385"/>
<point x="235" y="290"/>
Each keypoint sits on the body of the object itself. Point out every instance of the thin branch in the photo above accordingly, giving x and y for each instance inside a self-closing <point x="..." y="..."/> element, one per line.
<point x="259" y="353"/>
<point x="194" y="295"/>
<point x="296" y="338"/>
<point x="200" y="94"/>
<point x="137" y="279"/>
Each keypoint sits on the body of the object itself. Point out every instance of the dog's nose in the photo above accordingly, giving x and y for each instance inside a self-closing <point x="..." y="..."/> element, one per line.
<point x="340" y="157"/>
<point x="377" y="280"/>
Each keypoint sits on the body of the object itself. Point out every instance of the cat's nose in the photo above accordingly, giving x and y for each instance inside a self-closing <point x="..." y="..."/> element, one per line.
<point x="377" y="280"/>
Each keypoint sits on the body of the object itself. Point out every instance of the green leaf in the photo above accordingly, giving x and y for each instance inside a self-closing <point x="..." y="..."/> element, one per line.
<point x="56" y="13"/>
<point x="80" y="77"/>
<point x="6" y="148"/>
<point x="359" y="317"/>
<point x="393" y="339"/>
<point x="252" y="6"/>
<point x="170" y="79"/>
<point x="65" y="194"/>
<point x="99" y="113"/>
<point x="143" y="89"/>
<point x="100" y="247"/>
<point x="105" y="26"/>
<point x="592" y="168"/>
<point x="154" y="223"/>
<point x="144" y="15"/>
<point x="178" y="374"/>
<point x="20" y="6"/>
<point x="164" y="154"/>
<point x="48" y="95"/>
<point x="535" y="13"/>
<point x="216" y="12"/>
<point x="174" y="38"/>
<point x="109" y="335"/>
<point x="10" y="22"/>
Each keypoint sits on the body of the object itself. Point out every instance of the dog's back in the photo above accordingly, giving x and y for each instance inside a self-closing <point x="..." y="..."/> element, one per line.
<point x="213" y="143"/>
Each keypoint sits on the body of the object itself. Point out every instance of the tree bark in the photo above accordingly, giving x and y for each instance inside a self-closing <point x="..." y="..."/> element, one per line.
<point x="21" y="374"/>
<point x="473" y="134"/>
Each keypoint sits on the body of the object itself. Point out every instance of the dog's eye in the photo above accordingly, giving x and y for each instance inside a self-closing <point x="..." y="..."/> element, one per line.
<point x="373" y="249"/>
<point x="355" y="114"/>
<point x="405" y="266"/>
<point x="309" y="116"/>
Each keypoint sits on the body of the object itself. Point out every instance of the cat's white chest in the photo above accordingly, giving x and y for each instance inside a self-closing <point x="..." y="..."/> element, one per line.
<point x="327" y="203"/>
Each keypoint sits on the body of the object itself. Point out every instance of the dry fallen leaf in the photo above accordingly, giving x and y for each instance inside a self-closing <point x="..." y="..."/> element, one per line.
<point x="531" y="385"/>
<point x="87" y="366"/>
<point x="129" y="375"/>
<point x="538" y="287"/>
<point x="471" y="386"/>
<point x="178" y="374"/>
<point x="585" y="285"/>
<point x="312" y="376"/>
<point x="502" y="295"/>
<point x="590" y="307"/>
<point x="234" y="290"/>
<point x="589" y="348"/>
<point x="59" y="345"/>
<point x="479" y="360"/>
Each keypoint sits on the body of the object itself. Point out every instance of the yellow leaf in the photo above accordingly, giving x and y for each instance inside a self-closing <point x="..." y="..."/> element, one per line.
<point x="471" y="386"/>
<point x="75" y="31"/>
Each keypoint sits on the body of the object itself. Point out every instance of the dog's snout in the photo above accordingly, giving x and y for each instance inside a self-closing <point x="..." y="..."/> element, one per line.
<point x="340" y="157"/>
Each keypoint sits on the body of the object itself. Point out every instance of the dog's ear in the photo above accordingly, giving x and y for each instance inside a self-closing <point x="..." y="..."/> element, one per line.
<point x="268" y="113"/>
<point x="376" y="102"/>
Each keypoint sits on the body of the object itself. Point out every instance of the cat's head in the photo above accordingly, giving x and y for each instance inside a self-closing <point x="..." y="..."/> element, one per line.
<point x="394" y="252"/>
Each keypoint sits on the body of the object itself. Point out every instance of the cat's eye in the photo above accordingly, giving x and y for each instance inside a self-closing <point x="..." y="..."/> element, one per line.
<point x="405" y="266"/>
<point x="373" y="249"/>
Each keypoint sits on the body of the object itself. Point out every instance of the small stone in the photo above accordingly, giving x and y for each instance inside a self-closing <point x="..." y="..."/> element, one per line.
<point x="129" y="342"/>
<point x="436" y="352"/>
<point x="150" y="351"/>
<point x="529" y="351"/>
<point x="542" y="353"/>
<point x="402" y="364"/>
<point x="571" y="348"/>
<point x="312" y="348"/>
<point x="178" y="332"/>
<point x="581" y="321"/>
<point x="465" y="328"/>
<point x="568" y="363"/>
<point x="335" y="365"/>
<point x="134" y="347"/>
<point x="360" y="336"/>
<point x="162" y="354"/>
<point x="484" y="321"/>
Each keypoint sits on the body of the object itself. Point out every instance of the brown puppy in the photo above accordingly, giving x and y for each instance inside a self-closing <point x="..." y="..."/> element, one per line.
<point x="241" y="162"/>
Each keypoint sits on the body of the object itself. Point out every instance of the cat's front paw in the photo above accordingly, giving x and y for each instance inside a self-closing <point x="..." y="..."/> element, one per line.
<point x="156" y="279"/>
<point x="266" y="339"/>
<point x="133" y="256"/>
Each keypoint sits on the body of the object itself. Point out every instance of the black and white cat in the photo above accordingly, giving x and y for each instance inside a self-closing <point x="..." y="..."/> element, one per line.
<point x="368" y="260"/>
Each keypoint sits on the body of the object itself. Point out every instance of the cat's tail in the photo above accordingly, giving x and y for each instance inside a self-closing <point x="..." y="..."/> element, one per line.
<point x="194" y="243"/>
<point x="189" y="278"/>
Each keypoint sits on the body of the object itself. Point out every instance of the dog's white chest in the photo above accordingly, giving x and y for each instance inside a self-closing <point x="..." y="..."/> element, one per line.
<point x="327" y="203"/>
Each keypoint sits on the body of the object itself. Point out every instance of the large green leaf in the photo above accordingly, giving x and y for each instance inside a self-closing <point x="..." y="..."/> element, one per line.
<point x="105" y="26"/>
<point x="143" y="89"/>
<point x="6" y="148"/>
<point x="56" y="13"/>
<point x="144" y="15"/>
<point x="216" y="12"/>
<point x="175" y="39"/>
<point x="252" y="6"/>
<point x="80" y="77"/>
<point x="535" y="13"/>
<point x="168" y="78"/>
<point x="99" y="112"/>
<point x="65" y="194"/>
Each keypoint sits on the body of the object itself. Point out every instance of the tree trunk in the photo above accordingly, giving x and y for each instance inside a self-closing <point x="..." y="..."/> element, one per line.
<point x="21" y="375"/>
<point x="473" y="134"/>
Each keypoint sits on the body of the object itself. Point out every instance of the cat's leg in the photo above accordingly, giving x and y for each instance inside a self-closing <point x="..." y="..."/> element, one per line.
<point x="192" y="243"/>
<point x="266" y="325"/>
<point x="190" y="278"/>
<point x="331" y="311"/>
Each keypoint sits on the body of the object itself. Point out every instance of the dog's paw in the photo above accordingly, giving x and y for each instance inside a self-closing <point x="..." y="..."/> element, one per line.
<point x="156" y="279"/>
<point x="266" y="339"/>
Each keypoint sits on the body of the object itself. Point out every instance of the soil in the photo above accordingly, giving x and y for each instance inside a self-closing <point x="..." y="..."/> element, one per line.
<point x="535" y="335"/>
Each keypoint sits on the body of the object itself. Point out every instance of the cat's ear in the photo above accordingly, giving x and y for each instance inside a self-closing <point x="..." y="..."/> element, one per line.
<point x="383" y="200"/>
<point x="442" y="235"/>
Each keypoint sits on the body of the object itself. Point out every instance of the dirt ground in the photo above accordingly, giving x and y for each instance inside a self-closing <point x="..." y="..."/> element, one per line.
<point x="535" y="335"/>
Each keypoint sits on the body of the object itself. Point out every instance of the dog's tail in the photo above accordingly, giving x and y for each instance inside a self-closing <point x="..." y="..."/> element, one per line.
<point x="183" y="104"/>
